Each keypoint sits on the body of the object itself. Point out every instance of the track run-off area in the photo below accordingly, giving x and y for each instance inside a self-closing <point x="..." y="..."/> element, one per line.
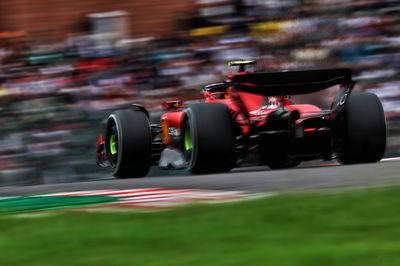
<point x="250" y="180"/>
<point x="156" y="192"/>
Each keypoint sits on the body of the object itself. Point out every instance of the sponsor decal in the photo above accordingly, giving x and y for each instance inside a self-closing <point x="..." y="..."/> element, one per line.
<point x="173" y="131"/>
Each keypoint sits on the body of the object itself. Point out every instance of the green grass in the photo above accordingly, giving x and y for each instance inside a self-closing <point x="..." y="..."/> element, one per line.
<point x="347" y="228"/>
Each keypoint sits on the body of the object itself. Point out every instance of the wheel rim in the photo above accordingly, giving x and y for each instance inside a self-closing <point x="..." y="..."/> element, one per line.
<point x="188" y="140"/>
<point x="113" y="144"/>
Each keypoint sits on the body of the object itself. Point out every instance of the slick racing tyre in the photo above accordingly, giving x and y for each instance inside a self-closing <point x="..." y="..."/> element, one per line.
<point x="208" y="139"/>
<point x="361" y="132"/>
<point x="273" y="153"/>
<point x="128" y="143"/>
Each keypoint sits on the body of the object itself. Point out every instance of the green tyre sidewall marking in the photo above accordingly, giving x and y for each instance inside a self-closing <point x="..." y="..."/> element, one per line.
<point x="188" y="140"/>
<point x="113" y="144"/>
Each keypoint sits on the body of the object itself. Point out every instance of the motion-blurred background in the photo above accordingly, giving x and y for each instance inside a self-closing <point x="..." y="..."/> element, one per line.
<point x="64" y="65"/>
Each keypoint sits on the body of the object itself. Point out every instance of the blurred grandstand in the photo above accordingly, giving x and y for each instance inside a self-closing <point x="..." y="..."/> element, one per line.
<point x="57" y="84"/>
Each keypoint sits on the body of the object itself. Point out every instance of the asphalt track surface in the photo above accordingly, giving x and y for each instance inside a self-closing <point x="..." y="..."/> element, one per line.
<point x="251" y="179"/>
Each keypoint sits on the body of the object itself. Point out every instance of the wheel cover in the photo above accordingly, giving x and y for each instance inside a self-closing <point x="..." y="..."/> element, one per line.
<point x="113" y="144"/>
<point x="188" y="140"/>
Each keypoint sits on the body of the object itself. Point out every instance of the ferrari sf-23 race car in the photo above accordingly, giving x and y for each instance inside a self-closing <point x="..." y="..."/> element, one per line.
<point x="249" y="112"/>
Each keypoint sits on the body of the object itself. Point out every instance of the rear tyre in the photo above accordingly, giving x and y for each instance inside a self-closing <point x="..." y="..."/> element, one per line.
<point x="208" y="140"/>
<point x="128" y="143"/>
<point x="360" y="136"/>
<point x="273" y="153"/>
<point x="280" y="162"/>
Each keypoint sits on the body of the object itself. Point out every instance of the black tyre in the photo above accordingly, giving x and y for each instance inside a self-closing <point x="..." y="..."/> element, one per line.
<point x="282" y="161"/>
<point x="360" y="136"/>
<point x="273" y="153"/>
<point x="208" y="140"/>
<point x="128" y="143"/>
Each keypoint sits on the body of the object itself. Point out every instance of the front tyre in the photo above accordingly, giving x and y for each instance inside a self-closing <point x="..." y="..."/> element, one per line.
<point x="128" y="143"/>
<point x="360" y="135"/>
<point x="208" y="139"/>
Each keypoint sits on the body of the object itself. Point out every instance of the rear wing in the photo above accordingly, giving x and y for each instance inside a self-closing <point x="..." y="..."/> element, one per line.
<point x="291" y="82"/>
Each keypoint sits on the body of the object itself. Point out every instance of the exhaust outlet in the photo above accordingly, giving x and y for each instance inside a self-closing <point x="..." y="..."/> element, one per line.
<point x="290" y="115"/>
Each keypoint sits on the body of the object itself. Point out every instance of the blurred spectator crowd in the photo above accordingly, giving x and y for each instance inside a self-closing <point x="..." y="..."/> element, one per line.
<point x="54" y="95"/>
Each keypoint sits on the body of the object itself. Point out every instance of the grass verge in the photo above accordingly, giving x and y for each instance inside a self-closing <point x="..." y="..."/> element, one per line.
<point x="357" y="228"/>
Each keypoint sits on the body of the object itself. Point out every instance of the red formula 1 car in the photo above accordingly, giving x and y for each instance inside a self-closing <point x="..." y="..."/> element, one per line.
<point x="248" y="112"/>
